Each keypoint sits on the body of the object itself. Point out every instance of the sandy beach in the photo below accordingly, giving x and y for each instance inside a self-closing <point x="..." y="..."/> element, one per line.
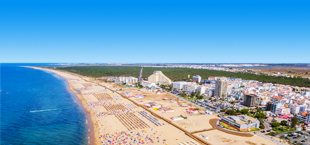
<point x="114" y="119"/>
<point x="120" y="117"/>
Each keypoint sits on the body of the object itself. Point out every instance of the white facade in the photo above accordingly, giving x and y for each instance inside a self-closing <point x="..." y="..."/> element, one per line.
<point x="197" y="78"/>
<point x="179" y="85"/>
<point x="294" y="109"/>
<point x="126" y="80"/>
<point x="201" y="89"/>
<point x="283" y="111"/>
<point x="160" y="78"/>
<point x="221" y="87"/>
<point x="191" y="87"/>
<point x="148" y="84"/>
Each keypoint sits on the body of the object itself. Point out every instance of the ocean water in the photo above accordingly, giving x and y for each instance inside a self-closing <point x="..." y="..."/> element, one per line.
<point x="37" y="107"/>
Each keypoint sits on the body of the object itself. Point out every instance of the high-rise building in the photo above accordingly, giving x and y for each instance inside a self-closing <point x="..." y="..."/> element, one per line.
<point x="221" y="87"/>
<point x="197" y="78"/>
<point x="159" y="78"/>
<point x="268" y="106"/>
<point x="251" y="100"/>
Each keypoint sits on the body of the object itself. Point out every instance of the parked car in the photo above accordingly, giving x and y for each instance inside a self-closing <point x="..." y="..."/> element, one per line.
<point x="263" y="131"/>
<point x="268" y="130"/>
<point x="302" y="141"/>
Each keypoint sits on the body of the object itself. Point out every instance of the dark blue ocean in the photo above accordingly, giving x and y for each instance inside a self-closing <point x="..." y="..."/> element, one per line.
<point x="37" y="107"/>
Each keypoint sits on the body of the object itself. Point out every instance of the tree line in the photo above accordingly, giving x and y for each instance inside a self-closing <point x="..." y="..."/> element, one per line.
<point x="180" y="74"/>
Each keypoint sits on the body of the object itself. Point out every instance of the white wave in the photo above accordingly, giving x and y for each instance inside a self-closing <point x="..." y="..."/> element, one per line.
<point x="34" y="111"/>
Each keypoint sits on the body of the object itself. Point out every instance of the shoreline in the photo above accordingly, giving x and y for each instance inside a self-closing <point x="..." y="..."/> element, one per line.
<point x="171" y="132"/>
<point x="90" y="120"/>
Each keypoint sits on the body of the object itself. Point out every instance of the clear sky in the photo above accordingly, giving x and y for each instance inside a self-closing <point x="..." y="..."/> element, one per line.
<point x="155" y="31"/>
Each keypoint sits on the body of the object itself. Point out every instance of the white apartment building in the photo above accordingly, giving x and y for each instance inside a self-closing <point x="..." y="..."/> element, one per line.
<point x="197" y="78"/>
<point x="201" y="89"/>
<point x="190" y="87"/>
<point x="295" y="109"/>
<point x="127" y="80"/>
<point x="305" y="117"/>
<point x="179" y="85"/>
<point x="221" y="87"/>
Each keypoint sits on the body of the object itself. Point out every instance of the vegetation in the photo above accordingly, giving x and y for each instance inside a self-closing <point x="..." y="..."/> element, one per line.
<point x="280" y="129"/>
<point x="284" y="123"/>
<point x="255" y="129"/>
<point x="227" y="126"/>
<point x="294" y="121"/>
<point x="244" y="111"/>
<point x="275" y="124"/>
<point x="179" y="74"/>
<point x="271" y="133"/>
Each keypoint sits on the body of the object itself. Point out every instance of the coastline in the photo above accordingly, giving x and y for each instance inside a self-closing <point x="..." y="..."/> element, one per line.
<point x="110" y="125"/>
<point x="92" y="136"/>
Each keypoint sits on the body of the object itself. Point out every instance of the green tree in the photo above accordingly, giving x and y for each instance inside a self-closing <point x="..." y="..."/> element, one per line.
<point x="294" y="121"/>
<point x="261" y="115"/>
<point x="200" y="97"/>
<point x="244" y="111"/>
<point x="284" y="123"/>
<point x="193" y="94"/>
<point x="230" y="112"/>
<point x="275" y="124"/>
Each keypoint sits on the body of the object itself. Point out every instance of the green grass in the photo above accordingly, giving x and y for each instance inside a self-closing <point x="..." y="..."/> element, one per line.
<point x="255" y="129"/>
<point x="282" y="129"/>
<point x="227" y="126"/>
<point x="179" y="74"/>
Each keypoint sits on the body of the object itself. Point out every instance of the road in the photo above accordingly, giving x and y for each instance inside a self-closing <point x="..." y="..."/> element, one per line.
<point x="267" y="125"/>
<point x="270" y="138"/>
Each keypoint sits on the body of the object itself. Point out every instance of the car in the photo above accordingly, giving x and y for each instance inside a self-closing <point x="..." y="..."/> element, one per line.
<point x="268" y="130"/>
<point x="262" y="131"/>
<point x="302" y="141"/>
<point x="286" y="138"/>
<point x="294" y="137"/>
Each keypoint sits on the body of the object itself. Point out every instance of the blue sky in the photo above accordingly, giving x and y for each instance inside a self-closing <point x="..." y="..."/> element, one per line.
<point x="156" y="31"/>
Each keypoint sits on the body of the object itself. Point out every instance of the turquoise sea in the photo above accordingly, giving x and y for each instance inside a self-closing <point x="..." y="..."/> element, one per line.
<point x="37" y="107"/>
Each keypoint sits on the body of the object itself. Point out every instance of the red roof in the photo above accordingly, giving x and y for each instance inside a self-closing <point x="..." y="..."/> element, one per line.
<point x="192" y="109"/>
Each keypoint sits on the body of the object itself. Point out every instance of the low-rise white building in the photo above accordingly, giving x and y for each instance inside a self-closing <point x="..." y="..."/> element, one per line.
<point x="179" y="85"/>
<point x="127" y="80"/>
<point x="294" y="109"/>
<point x="197" y="78"/>
<point x="148" y="84"/>
<point x="283" y="111"/>
<point x="201" y="89"/>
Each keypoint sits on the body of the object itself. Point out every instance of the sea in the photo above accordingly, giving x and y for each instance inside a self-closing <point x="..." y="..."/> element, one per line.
<point x="37" y="107"/>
